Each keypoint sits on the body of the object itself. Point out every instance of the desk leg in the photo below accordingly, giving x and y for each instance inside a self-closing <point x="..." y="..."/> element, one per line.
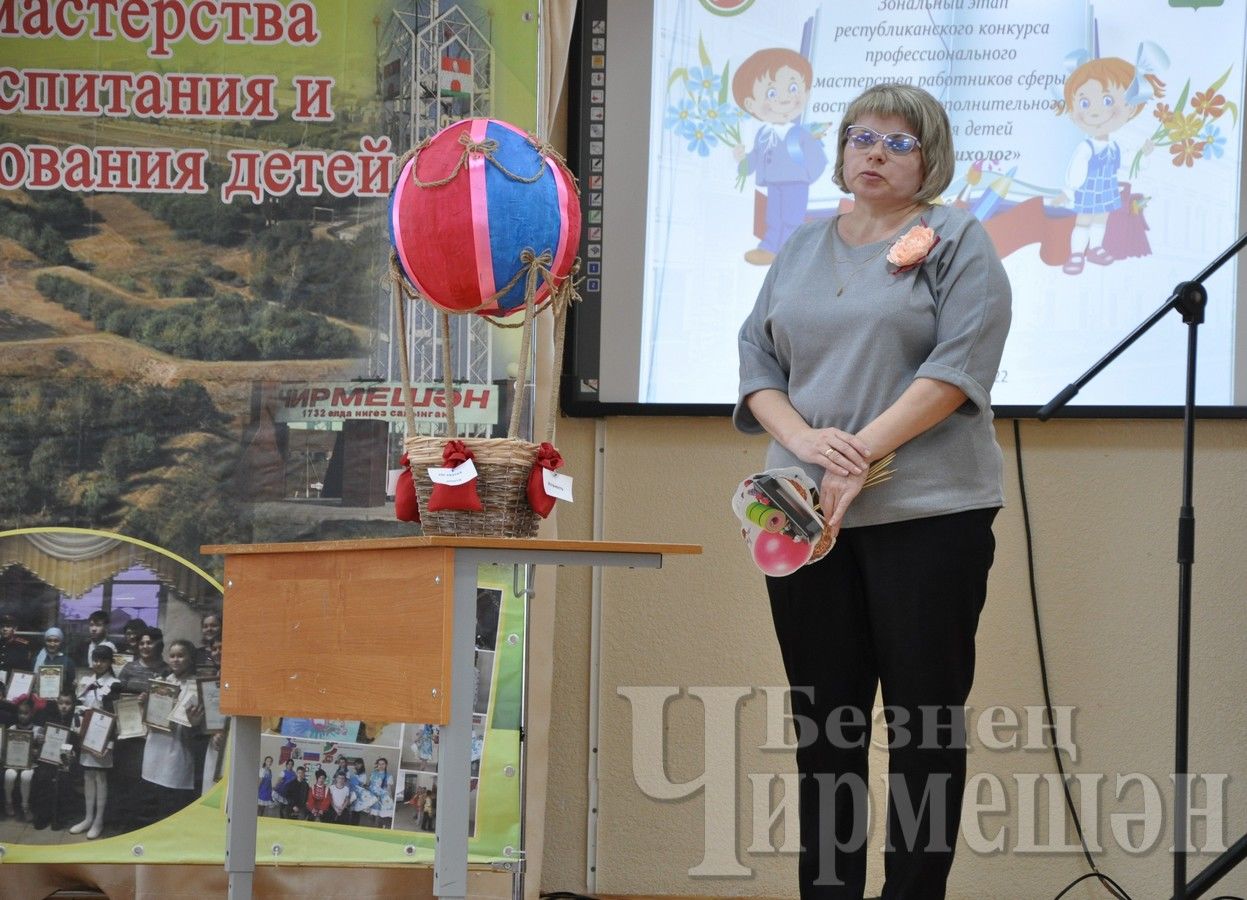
<point x="240" y="809"/>
<point x="454" y="766"/>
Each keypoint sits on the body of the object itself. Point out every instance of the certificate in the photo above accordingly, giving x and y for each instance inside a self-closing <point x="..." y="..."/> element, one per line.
<point x="188" y="694"/>
<point x="97" y="727"/>
<point x="162" y="696"/>
<point x="19" y="745"/>
<point x="50" y="678"/>
<point x="210" y="703"/>
<point x="129" y="713"/>
<point x="120" y="660"/>
<point x="55" y="737"/>
<point x="20" y="683"/>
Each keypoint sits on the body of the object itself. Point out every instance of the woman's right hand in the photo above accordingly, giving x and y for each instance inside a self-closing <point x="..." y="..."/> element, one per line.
<point x="835" y="494"/>
<point x="839" y="452"/>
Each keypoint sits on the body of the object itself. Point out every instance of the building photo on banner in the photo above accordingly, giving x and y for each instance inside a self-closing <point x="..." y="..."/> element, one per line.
<point x="198" y="346"/>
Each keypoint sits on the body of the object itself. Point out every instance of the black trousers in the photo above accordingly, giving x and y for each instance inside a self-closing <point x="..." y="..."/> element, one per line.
<point x="895" y="605"/>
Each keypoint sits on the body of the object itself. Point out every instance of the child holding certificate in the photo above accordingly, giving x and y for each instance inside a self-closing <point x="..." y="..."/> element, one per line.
<point x="168" y="758"/>
<point x="50" y="789"/>
<point x="20" y="778"/>
<point x="97" y="693"/>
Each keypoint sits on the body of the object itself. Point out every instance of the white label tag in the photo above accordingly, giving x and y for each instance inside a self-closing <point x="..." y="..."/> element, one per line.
<point x="391" y="481"/>
<point x="557" y="486"/>
<point x="460" y="474"/>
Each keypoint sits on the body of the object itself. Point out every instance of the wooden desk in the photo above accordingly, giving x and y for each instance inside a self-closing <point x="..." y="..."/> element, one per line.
<point x="281" y="599"/>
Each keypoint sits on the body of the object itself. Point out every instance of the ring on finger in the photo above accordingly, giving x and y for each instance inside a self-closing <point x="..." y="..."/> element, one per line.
<point x="827" y="453"/>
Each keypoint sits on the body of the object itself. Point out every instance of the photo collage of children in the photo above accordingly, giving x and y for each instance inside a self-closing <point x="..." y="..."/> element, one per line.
<point x="373" y="775"/>
<point x="110" y="716"/>
<point x="108" y="721"/>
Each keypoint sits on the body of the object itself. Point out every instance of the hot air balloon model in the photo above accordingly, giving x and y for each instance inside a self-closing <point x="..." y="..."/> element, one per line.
<point x="484" y="220"/>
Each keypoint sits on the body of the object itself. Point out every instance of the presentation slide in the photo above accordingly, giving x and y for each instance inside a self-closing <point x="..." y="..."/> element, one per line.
<point x="1018" y="78"/>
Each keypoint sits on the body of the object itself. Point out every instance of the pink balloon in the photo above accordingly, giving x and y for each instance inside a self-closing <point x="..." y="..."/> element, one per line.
<point x="778" y="555"/>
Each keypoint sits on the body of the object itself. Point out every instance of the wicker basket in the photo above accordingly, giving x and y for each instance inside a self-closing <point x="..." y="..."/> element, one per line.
<point x="502" y="466"/>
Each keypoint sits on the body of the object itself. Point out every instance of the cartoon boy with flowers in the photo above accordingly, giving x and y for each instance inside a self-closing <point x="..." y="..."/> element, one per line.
<point x="773" y="86"/>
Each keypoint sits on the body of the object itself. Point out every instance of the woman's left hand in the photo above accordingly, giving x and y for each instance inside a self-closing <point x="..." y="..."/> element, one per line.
<point x="836" y="493"/>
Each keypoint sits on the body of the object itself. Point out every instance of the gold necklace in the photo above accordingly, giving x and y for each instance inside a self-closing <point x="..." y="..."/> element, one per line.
<point x="836" y="262"/>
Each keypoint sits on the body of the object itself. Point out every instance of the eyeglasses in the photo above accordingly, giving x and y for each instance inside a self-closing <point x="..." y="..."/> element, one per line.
<point x="897" y="143"/>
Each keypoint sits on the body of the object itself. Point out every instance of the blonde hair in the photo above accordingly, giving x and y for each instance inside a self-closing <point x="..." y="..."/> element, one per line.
<point x="927" y="121"/>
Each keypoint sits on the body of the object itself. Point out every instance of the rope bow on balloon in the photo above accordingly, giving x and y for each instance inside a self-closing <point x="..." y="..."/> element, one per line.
<point x="486" y="148"/>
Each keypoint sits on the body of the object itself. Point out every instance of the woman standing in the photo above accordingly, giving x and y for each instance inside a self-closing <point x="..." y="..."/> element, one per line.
<point x="135" y="677"/>
<point x="265" y="795"/>
<point x="362" y="800"/>
<point x="381" y="786"/>
<point x="53" y="654"/>
<point x="877" y="330"/>
<point x="279" y="789"/>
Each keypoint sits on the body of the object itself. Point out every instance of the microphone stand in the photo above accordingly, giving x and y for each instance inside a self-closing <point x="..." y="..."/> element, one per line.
<point x="1189" y="298"/>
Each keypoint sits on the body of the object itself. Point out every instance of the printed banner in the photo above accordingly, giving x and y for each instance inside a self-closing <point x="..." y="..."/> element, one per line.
<point x="197" y="346"/>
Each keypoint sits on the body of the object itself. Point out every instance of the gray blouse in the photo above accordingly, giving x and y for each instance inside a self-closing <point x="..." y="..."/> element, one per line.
<point x="844" y="358"/>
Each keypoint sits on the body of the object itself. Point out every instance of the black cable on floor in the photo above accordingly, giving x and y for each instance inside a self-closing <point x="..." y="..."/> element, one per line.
<point x="1095" y="872"/>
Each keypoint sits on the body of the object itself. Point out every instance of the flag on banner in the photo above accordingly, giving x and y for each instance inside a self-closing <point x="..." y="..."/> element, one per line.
<point x="455" y="78"/>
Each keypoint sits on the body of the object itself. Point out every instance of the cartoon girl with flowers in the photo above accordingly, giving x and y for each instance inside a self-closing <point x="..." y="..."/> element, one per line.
<point x="1101" y="95"/>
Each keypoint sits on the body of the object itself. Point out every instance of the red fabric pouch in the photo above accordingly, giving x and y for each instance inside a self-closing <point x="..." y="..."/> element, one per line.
<point x="548" y="457"/>
<point x="455" y="496"/>
<point x="406" y="506"/>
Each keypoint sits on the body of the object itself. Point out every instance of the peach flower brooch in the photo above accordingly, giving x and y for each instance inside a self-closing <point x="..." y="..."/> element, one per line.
<point x="912" y="248"/>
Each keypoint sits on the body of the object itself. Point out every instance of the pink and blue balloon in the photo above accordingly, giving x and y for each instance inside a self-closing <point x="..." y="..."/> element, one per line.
<point x="461" y="243"/>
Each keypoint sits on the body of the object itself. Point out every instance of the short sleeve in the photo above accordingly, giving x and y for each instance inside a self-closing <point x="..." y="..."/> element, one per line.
<point x="760" y="367"/>
<point x="973" y="311"/>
